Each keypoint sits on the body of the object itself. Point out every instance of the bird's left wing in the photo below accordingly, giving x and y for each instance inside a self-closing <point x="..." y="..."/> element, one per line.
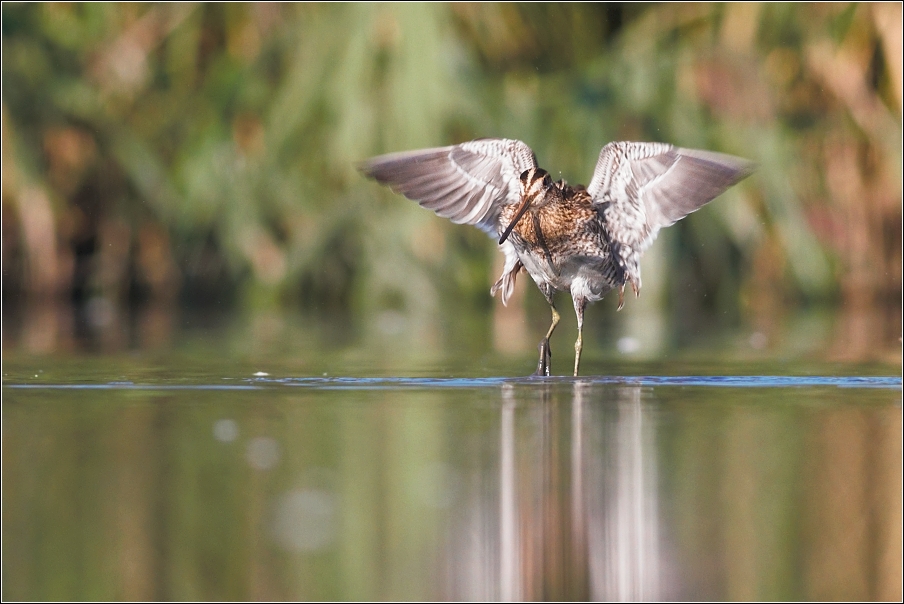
<point x="640" y="188"/>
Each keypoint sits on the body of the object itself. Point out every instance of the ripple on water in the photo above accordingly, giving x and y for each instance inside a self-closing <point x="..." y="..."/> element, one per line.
<point x="397" y="383"/>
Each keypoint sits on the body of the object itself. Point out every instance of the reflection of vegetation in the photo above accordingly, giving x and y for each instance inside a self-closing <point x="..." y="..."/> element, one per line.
<point x="149" y="148"/>
<point x="742" y="494"/>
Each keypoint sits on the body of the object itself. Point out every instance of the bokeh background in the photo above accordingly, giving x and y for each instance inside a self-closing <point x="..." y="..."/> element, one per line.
<point x="162" y="161"/>
<point x="190" y="259"/>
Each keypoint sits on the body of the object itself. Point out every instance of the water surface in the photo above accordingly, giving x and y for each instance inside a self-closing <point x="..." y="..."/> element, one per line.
<point x="173" y="483"/>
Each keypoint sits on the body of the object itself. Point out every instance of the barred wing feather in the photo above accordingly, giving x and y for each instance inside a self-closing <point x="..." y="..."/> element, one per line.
<point x="467" y="183"/>
<point x="640" y="188"/>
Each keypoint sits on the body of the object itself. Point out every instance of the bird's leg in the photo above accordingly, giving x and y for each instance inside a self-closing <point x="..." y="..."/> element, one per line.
<point x="579" y="305"/>
<point x="543" y="366"/>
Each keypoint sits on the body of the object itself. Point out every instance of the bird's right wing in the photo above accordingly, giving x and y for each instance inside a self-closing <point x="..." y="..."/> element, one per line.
<point x="467" y="183"/>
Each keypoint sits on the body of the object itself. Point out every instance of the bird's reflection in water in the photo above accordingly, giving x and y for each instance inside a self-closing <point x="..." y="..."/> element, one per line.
<point x="577" y="501"/>
<point x="623" y="528"/>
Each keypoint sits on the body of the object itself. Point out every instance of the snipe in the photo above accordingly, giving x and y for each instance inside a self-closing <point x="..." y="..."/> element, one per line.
<point x="587" y="241"/>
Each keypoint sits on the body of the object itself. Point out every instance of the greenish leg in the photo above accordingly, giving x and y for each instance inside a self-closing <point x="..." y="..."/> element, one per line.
<point x="579" y="305"/>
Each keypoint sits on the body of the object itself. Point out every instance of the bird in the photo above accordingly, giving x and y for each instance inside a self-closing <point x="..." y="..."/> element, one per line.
<point x="587" y="241"/>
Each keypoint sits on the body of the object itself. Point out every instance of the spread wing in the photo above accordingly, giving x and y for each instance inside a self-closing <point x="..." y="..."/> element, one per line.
<point x="640" y="188"/>
<point x="467" y="183"/>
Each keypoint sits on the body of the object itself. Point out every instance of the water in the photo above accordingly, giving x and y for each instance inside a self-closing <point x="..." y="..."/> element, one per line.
<point x="129" y="478"/>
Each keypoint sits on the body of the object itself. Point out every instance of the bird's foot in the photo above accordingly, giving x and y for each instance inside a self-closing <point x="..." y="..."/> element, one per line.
<point x="545" y="362"/>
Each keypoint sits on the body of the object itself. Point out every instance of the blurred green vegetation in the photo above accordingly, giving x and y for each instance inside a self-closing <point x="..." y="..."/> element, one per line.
<point x="206" y="153"/>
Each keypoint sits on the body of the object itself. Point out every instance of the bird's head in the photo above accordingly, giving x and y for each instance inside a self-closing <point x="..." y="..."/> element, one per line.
<point x="534" y="185"/>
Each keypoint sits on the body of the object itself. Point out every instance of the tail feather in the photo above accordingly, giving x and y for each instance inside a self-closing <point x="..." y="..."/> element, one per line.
<point x="506" y="283"/>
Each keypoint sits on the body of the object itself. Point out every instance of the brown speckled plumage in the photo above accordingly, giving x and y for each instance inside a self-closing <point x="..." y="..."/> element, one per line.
<point x="587" y="241"/>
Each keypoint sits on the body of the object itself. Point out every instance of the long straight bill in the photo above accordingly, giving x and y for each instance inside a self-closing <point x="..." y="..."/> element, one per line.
<point x="525" y="203"/>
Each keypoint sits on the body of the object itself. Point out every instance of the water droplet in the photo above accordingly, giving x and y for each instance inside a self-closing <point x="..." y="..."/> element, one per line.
<point x="262" y="453"/>
<point x="304" y="520"/>
<point x="758" y="340"/>
<point x="628" y="345"/>
<point x="225" y="430"/>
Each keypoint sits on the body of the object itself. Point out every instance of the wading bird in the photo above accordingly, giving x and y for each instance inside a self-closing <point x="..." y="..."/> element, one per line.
<point x="587" y="241"/>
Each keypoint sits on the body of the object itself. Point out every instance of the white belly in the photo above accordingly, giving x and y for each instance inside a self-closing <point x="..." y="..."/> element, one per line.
<point x="582" y="276"/>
